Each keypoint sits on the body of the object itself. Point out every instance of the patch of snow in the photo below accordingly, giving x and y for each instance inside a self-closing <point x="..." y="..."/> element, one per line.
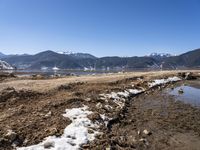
<point x="160" y="55"/>
<point x="66" y="52"/>
<point x="89" y="69"/>
<point x="74" y="135"/>
<point x="135" y="91"/>
<point x="123" y="94"/>
<point x="119" y="98"/>
<point x="44" y="68"/>
<point x="163" y="81"/>
<point x="119" y="102"/>
<point x="112" y="95"/>
<point x="5" y="66"/>
<point x="115" y="97"/>
<point x="55" y="68"/>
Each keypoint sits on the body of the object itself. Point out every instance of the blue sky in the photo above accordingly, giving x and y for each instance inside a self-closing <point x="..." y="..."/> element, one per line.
<point x="100" y="27"/>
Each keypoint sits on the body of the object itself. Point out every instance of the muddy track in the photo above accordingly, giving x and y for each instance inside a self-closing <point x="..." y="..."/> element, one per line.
<point x="155" y="121"/>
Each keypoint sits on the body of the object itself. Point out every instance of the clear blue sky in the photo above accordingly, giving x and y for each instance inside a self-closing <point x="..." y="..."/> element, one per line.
<point x="100" y="27"/>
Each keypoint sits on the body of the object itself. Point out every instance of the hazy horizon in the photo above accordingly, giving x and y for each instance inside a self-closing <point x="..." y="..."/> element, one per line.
<point x="101" y="28"/>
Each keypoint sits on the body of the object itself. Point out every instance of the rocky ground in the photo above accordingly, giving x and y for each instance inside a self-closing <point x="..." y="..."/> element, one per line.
<point x="31" y="110"/>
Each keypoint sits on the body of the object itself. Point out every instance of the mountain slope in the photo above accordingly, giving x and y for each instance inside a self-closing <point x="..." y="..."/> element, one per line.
<point x="189" y="59"/>
<point x="46" y="58"/>
<point x="5" y="66"/>
<point x="51" y="59"/>
<point x="78" y="61"/>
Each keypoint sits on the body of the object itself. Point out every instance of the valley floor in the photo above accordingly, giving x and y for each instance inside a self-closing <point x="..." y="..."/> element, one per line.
<point x="122" y="111"/>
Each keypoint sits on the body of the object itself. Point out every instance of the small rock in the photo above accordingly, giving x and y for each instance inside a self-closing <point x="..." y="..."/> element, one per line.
<point x="134" y="140"/>
<point x="138" y="132"/>
<point x="48" y="144"/>
<point x="180" y="91"/>
<point x="48" y="114"/>
<point x="146" y="132"/>
<point x="108" y="148"/>
<point x="99" y="105"/>
<point x="142" y="140"/>
<point x="88" y="99"/>
<point x="25" y="141"/>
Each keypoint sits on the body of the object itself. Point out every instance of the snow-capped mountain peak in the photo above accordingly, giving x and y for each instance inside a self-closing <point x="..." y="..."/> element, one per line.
<point x="66" y="52"/>
<point x="76" y="55"/>
<point x="160" y="55"/>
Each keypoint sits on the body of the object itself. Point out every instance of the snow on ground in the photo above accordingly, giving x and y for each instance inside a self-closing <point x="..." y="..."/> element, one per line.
<point x="77" y="133"/>
<point x="135" y="91"/>
<point x="119" y="97"/>
<point x="123" y="94"/>
<point x="163" y="81"/>
<point x="74" y="135"/>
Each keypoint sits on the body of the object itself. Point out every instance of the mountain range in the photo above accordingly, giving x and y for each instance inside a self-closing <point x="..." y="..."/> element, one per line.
<point x="70" y="60"/>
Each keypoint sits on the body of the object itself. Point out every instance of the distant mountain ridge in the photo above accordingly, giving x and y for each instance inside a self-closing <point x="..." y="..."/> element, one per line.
<point x="65" y="60"/>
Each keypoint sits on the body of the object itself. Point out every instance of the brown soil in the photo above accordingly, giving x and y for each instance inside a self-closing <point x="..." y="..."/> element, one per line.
<point x="170" y="124"/>
<point x="33" y="110"/>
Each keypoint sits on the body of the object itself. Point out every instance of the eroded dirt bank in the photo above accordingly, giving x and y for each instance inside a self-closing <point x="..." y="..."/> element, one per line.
<point x="31" y="110"/>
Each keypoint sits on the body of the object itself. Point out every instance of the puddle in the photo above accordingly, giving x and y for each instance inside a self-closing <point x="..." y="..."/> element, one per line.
<point x="187" y="93"/>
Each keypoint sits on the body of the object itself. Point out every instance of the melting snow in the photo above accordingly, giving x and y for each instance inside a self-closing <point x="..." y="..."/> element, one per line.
<point x="74" y="135"/>
<point x="163" y="81"/>
<point x="135" y="91"/>
<point x="120" y="97"/>
<point x="77" y="133"/>
<point x="124" y="94"/>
